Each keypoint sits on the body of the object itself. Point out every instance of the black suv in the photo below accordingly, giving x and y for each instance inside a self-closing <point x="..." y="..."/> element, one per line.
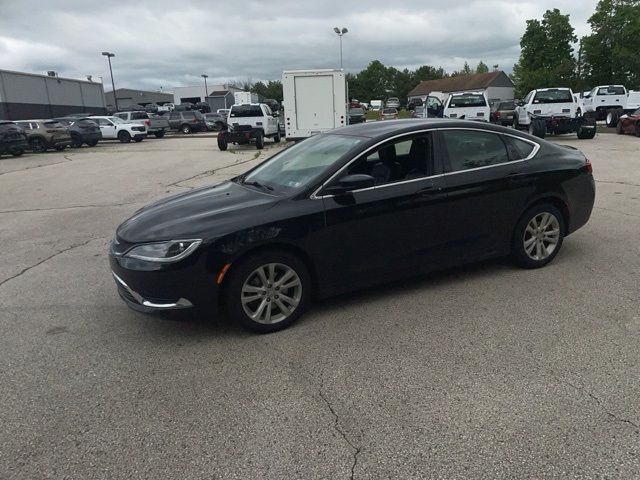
<point x="82" y="130"/>
<point x="13" y="140"/>
<point x="186" y="121"/>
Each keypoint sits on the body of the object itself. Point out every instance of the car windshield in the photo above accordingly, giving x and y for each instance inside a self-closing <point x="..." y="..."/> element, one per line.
<point x="356" y="111"/>
<point x="506" y="106"/>
<point x="299" y="165"/>
<point x="389" y="111"/>
<point x="553" y="96"/>
<point x="467" y="100"/>
<point x="246" y="111"/>
<point x="116" y="120"/>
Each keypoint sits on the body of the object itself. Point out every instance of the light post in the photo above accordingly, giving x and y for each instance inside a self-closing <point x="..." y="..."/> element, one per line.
<point x="113" y="85"/>
<point x="340" y="33"/>
<point x="206" y="91"/>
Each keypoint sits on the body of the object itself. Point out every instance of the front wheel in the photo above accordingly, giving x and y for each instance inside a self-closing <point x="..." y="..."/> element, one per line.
<point x="93" y="143"/>
<point x="619" y="129"/>
<point x="17" y="152"/>
<point x="186" y="129"/>
<point x="222" y="143"/>
<point x="37" y="145"/>
<point x="613" y="115"/>
<point x="124" y="137"/>
<point x="538" y="128"/>
<point x="538" y="236"/>
<point x="268" y="291"/>
<point x="259" y="141"/>
<point x="159" y="134"/>
<point x="276" y="137"/>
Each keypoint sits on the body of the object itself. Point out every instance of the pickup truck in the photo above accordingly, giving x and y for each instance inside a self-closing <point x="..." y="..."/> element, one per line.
<point x="156" y="125"/>
<point x="251" y="122"/>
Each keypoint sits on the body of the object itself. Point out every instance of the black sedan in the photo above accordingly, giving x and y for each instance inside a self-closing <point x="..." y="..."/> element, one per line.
<point x="357" y="206"/>
<point x="82" y="130"/>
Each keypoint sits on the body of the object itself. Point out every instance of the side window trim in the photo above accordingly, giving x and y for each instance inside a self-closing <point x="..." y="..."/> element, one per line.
<point x="445" y="153"/>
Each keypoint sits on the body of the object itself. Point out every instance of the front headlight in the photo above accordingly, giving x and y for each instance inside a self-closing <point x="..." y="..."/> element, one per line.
<point x="164" y="252"/>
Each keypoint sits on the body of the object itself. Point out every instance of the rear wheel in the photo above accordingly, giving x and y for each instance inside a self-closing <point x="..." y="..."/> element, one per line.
<point x="93" y="143"/>
<point x="587" y="133"/>
<point x="613" y="115"/>
<point x="538" y="236"/>
<point x="538" y="128"/>
<point x="124" y="137"/>
<point x="259" y="141"/>
<point x="37" y="145"/>
<point x="619" y="129"/>
<point x="159" y="134"/>
<point x="138" y="139"/>
<point x="76" y="141"/>
<point x="268" y="291"/>
<point x="222" y="143"/>
<point x="186" y="129"/>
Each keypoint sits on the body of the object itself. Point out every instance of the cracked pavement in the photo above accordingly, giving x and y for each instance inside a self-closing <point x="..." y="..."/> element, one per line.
<point x="485" y="371"/>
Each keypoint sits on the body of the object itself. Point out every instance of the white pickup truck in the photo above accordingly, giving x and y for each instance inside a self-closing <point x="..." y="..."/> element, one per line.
<point x="553" y="111"/>
<point x="609" y="102"/>
<point x="251" y="122"/>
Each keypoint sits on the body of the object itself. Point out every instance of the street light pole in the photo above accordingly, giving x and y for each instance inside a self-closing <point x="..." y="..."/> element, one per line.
<point x="113" y="85"/>
<point x="206" y="91"/>
<point x="340" y="33"/>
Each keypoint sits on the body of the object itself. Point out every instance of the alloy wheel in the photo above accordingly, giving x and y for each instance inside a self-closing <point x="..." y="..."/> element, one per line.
<point x="541" y="236"/>
<point x="271" y="293"/>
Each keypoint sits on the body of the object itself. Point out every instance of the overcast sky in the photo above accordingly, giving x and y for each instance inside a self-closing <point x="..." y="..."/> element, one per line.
<point x="167" y="43"/>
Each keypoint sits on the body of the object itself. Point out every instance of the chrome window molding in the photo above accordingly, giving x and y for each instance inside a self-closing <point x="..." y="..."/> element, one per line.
<point x="536" y="148"/>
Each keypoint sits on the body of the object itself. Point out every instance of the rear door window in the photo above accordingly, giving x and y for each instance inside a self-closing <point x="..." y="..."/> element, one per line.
<point x="469" y="149"/>
<point x="517" y="149"/>
<point x="139" y="116"/>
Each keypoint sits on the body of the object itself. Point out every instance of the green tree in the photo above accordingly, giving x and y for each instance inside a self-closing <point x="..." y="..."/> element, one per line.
<point x="546" y="56"/>
<point x="482" y="68"/>
<point x="371" y="83"/>
<point x="611" y="54"/>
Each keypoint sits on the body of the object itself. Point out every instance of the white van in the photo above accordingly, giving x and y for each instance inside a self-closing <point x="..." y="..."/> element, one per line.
<point x="467" y="106"/>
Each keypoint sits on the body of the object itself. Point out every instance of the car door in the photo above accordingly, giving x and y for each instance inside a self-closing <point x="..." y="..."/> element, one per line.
<point x="107" y="127"/>
<point x="392" y="227"/>
<point x="521" y="110"/>
<point x="487" y="186"/>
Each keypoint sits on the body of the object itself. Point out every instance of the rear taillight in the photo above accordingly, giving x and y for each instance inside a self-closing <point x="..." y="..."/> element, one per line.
<point x="588" y="165"/>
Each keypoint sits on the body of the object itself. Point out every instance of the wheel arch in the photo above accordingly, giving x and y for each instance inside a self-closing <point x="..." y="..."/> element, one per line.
<point x="554" y="199"/>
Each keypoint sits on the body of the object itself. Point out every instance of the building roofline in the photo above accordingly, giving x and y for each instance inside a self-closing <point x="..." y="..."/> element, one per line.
<point x="30" y="74"/>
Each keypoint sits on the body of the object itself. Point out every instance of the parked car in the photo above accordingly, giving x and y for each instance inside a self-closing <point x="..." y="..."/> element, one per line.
<point x="393" y="102"/>
<point x="356" y="115"/>
<point x="165" y="107"/>
<point x="185" y="106"/>
<point x="116" y="128"/>
<point x="388" y="114"/>
<point x="156" y="125"/>
<point x="503" y="113"/>
<point x="467" y="106"/>
<point x="186" y="121"/>
<point x="553" y="111"/>
<point x="83" y="130"/>
<point x="43" y="135"/>
<point x="13" y="140"/>
<point x="250" y="123"/>
<point x="215" y="122"/>
<point x="629" y="123"/>
<point x="346" y="209"/>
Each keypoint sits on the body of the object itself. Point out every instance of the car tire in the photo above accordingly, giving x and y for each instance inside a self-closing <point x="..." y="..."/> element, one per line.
<point x="619" y="129"/>
<point x="516" y="125"/>
<point x="17" y="152"/>
<point x="587" y="133"/>
<point x="222" y="143"/>
<point x="637" y="131"/>
<point x="276" y="137"/>
<point x="613" y="114"/>
<point x="37" y="145"/>
<point x="93" y="143"/>
<point x="59" y="148"/>
<point x="138" y="140"/>
<point x="267" y="312"/>
<point x="259" y="141"/>
<point x="186" y="129"/>
<point x="124" y="137"/>
<point x="538" y="236"/>
<point x="76" y="141"/>
<point x="538" y="128"/>
<point x="159" y="134"/>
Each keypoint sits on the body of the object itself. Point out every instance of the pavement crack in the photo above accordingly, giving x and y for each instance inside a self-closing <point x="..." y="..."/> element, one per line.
<point x="336" y="427"/>
<point x="66" y="208"/>
<point x="25" y="270"/>
<point x="629" y="184"/>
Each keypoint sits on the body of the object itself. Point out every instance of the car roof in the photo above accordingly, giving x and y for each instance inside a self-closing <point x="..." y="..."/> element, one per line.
<point x="394" y="127"/>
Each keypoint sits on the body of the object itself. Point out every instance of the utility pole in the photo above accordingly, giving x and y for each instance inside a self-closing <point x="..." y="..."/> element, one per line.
<point x="206" y="91"/>
<point x="113" y="84"/>
<point x="340" y="33"/>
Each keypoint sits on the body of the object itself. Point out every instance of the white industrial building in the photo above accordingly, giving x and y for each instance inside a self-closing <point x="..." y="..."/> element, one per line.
<point x="198" y="93"/>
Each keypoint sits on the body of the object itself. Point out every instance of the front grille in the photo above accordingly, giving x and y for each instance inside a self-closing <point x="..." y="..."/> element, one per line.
<point x="126" y="294"/>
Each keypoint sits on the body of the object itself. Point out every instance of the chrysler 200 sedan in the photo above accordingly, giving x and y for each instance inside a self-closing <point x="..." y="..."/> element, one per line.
<point x="354" y="207"/>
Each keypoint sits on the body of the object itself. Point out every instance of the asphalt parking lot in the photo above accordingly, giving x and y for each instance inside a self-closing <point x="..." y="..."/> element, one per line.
<point x="486" y="371"/>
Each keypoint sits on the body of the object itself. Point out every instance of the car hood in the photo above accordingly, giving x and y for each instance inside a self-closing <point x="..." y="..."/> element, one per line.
<point x="203" y="213"/>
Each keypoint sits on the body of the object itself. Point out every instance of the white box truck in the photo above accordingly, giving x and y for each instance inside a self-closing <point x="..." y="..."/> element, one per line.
<point x="314" y="102"/>
<point x="245" y="98"/>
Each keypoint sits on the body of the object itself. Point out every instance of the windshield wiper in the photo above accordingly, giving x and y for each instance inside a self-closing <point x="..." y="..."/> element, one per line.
<point x="259" y="185"/>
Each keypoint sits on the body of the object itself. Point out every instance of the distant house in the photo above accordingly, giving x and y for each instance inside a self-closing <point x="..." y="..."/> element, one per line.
<point x="197" y="93"/>
<point x="220" y="99"/>
<point x="496" y="85"/>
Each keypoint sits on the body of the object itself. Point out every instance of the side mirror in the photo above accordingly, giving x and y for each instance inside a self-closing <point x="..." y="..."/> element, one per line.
<point x="520" y="104"/>
<point x="350" y="183"/>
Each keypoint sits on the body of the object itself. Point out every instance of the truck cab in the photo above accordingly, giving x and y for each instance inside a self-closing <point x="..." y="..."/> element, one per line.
<point x="467" y="106"/>
<point x="250" y="122"/>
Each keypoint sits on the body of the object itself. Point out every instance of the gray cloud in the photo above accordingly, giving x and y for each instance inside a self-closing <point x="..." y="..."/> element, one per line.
<point x="168" y="43"/>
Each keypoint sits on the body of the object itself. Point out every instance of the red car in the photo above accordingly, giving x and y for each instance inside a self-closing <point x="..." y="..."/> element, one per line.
<point x="629" y="123"/>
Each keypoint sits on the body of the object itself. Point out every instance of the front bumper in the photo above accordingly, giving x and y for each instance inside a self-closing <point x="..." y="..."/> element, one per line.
<point x="137" y="302"/>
